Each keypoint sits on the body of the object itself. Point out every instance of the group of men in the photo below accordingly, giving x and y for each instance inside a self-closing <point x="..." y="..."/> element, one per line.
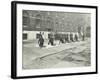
<point x="41" y="41"/>
<point x="66" y="39"/>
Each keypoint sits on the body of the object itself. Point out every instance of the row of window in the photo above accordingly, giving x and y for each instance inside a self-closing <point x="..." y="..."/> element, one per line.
<point x="25" y="36"/>
<point x="56" y="36"/>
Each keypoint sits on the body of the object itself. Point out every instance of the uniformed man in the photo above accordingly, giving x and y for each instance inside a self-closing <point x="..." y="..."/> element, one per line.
<point x="66" y="38"/>
<point x="51" y="40"/>
<point x="41" y="41"/>
<point x="61" y="40"/>
<point x="76" y="37"/>
<point x="71" y="37"/>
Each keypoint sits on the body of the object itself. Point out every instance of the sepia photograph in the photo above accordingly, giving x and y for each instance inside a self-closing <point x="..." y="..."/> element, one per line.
<point x="56" y="39"/>
<point x="53" y="39"/>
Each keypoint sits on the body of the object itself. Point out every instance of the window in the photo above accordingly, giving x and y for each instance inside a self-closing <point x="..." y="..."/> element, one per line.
<point x="24" y="36"/>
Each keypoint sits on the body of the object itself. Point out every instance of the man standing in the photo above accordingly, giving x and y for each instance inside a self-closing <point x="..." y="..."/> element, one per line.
<point x="66" y="38"/>
<point x="76" y="37"/>
<point x="41" y="41"/>
<point x="61" y="39"/>
<point x="71" y="37"/>
<point x="51" y="40"/>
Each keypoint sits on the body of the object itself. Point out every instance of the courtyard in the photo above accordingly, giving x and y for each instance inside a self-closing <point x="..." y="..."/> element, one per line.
<point x="73" y="54"/>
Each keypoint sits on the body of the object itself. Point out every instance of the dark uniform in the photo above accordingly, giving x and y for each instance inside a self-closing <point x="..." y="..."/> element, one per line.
<point x="61" y="40"/>
<point x="76" y="37"/>
<point x="71" y="37"/>
<point x="66" y="38"/>
<point x="41" y="41"/>
<point x="51" y="40"/>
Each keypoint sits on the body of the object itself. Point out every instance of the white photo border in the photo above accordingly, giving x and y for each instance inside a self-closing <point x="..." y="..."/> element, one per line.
<point x="19" y="72"/>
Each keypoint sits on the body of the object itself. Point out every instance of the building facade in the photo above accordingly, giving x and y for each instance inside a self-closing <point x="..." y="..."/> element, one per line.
<point x="46" y="22"/>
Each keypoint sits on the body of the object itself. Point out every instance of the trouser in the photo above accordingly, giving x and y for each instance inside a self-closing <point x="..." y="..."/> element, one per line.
<point x="50" y="42"/>
<point x="41" y="44"/>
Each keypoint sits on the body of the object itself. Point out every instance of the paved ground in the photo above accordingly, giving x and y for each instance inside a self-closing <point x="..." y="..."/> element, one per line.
<point x="74" y="54"/>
